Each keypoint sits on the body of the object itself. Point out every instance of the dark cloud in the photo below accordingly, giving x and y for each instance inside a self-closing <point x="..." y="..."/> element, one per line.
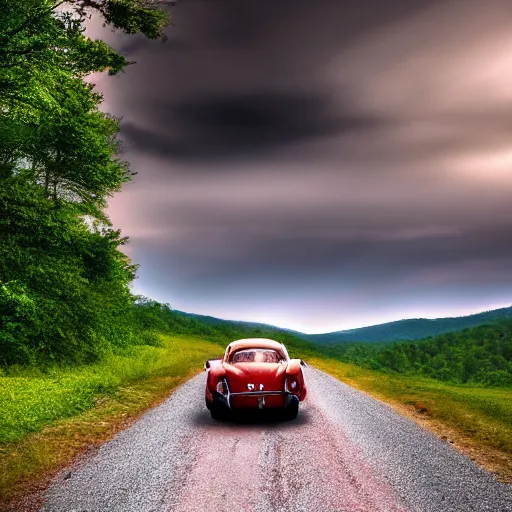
<point x="350" y="277"/>
<point x="233" y="125"/>
<point x="296" y="159"/>
<point x="324" y="23"/>
<point x="378" y="257"/>
<point x="134" y="46"/>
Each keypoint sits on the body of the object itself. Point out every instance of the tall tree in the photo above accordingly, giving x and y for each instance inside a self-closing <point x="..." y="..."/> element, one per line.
<point x="64" y="283"/>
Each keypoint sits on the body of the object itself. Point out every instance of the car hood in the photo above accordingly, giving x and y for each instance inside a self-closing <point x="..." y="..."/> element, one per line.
<point x="269" y="375"/>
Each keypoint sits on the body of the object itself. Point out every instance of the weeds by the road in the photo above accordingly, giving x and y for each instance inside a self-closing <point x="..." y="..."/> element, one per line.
<point x="476" y="420"/>
<point x="47" y="419"/>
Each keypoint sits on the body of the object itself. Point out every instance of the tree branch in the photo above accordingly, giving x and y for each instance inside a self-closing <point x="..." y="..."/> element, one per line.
<point x="32" y="18"/>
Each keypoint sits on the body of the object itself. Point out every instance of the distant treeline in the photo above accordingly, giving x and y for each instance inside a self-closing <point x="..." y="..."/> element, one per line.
<point x="411" y="329"/>
<point x="93" y="331"/>
<point x="153" y="317"/>
<point x="481" y="355"/>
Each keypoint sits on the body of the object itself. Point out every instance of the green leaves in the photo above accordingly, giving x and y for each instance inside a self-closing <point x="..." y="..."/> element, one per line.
<point x="133" y="16"/>
<point x="87" y="55"/>
<point x="64" y="283"/>
<point x="50" y="117"/>
<point x="480" y="355"/>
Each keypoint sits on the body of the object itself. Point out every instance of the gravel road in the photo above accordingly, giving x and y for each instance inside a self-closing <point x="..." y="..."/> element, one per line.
<point x="345" y="452"/>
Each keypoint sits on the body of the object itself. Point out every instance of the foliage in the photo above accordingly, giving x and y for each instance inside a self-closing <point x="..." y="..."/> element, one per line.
<point x="410" y="329"/>
<point x="152" y="317"/>
<point x="64" y="283"/>
<point x="481" y="355"/>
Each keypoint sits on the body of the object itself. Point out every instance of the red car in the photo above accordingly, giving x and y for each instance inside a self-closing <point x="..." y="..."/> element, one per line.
<point x="254" y="374"/>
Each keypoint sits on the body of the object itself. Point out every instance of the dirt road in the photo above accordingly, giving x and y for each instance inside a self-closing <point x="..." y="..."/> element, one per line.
<point x="345" y="452"/>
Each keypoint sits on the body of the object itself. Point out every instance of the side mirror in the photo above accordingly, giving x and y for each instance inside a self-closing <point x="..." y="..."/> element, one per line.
<point x="206" y="365"/>
<point x="302" y="363"/>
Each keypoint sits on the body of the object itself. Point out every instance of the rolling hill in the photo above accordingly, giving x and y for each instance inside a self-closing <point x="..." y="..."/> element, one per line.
<point x="401" y="330"/>
<point x="241" y="325"/>
<point x="479" y="355"/>
<point x="411" y="329"/>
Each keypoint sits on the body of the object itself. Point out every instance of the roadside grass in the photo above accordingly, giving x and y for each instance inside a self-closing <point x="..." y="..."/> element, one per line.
<point x="48" y="419"/>
<point x="477" y="420"/>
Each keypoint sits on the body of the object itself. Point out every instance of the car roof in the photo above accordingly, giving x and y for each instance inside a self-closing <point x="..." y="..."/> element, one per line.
<point x="254" y="343"/>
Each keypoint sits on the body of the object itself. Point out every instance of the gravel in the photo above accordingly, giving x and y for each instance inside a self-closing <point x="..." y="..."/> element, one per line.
<point x="345" y="452"/>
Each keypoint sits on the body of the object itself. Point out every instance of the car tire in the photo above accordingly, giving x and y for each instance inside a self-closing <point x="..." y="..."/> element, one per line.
<point x="216" y="412"/>
<point x="292" y="411"/>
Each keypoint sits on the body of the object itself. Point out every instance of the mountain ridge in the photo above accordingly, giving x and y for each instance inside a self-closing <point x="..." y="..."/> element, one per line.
<point x="398" y="330"/>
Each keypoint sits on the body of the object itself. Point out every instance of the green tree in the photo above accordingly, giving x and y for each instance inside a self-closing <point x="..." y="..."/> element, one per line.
<point x="64" y="283"/>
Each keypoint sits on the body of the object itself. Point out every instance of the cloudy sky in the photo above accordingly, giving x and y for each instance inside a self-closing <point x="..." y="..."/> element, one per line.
<point x="320" y="165"/>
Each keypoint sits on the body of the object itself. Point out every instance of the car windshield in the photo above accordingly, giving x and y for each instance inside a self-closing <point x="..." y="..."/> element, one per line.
<point x="256" y="355"/>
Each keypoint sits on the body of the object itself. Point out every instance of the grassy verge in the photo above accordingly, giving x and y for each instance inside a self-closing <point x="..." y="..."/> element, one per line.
<point x="478" y="421"/>
<point x="48" y="419"/>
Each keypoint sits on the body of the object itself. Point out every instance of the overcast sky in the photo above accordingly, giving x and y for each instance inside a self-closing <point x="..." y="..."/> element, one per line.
<point x="320" y="165"/>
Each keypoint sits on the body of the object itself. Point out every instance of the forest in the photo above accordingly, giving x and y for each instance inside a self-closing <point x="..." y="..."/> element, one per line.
<point x="480" y="355"/>
<point x="411" y="328"/>
<point x="80" y="354"/>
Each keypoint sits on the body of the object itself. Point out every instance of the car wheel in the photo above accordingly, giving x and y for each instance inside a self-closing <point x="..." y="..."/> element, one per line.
<point x="292" y="411"/>
<point x="216" y="411"/>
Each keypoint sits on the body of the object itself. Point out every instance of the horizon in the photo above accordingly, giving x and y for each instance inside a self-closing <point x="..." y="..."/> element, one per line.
<point x="331" y="158"/>
<point x="464" y="314"/>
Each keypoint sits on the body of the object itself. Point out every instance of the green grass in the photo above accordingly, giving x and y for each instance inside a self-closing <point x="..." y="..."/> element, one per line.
<point x="29" y="400"/>
<point x="477" y="420"/>
<point x="48" y="419"/>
